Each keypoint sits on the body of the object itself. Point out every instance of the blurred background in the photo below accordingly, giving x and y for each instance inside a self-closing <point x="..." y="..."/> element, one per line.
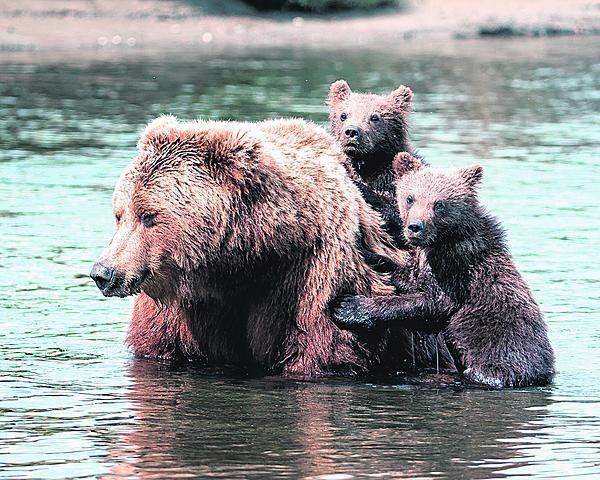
<point x="513" y="85"/>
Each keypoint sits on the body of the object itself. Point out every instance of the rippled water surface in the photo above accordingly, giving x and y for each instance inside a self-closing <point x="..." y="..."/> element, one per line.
<point x="74" y="404"/>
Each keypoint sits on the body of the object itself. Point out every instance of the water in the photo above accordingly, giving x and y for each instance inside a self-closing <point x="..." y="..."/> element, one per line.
<point x="74" y="404"/>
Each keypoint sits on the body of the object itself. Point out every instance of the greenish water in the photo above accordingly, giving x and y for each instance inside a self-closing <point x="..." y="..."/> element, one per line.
<point x="74" y="404"/>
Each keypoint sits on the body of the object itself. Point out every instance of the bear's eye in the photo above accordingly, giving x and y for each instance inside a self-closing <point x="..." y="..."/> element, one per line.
<point x="439" y="207"/>
<point x="118" y="217"/>
<point x="147" y="219"/>
<point x="343" y="117"/>
<point x="410" y="200"/>
<point x="375" y="117"/>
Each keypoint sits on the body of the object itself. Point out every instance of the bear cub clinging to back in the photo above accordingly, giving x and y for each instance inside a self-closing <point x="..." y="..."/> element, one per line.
<point x="372" y="129"/>
<point x="466" y="283"/>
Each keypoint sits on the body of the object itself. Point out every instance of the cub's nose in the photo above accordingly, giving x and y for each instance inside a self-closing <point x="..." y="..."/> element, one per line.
<point x="351" y="132"/>
<point x="102" y="275"/>
<point x="416" y="227"/>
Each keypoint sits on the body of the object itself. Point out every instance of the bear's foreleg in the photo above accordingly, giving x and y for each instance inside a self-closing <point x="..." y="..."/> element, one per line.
<point x="161" y="332"/>
<point x="412" y="311"/>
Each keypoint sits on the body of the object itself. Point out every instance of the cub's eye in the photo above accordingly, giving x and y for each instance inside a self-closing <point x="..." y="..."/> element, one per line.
<point x="343" y="117"/>
<point x="118" y="217"/>
<point x="439" y="207"/>
<point x="147" y="219"/>
<point x="410" y="200"/>
<point x="375" y="117"/>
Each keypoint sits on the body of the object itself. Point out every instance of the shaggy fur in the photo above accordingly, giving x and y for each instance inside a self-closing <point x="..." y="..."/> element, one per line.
<point x="465" y="282"/>
<point x="238" y="235"/>
<point x="372" y="129"/>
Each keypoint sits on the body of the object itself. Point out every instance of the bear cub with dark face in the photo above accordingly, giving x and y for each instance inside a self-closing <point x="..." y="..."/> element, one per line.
<point x="466" y="283"/>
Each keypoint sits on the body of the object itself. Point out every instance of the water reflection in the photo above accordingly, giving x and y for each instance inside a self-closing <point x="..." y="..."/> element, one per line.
<point x="218" y="426"/>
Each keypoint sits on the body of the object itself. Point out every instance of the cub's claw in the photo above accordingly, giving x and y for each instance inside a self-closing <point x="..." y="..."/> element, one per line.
<point x="479" y="378"/>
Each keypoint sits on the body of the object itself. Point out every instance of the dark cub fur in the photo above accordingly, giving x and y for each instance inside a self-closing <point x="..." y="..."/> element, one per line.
<point x="371" y="130"/>
<point x="465" y="282"/>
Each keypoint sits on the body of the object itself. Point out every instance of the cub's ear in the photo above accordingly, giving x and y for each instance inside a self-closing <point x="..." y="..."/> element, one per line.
<point x="472" y="175"/>
<point x="401" y="98"/>
<point x="404" y="163"/>
<point x="338" y="91"/>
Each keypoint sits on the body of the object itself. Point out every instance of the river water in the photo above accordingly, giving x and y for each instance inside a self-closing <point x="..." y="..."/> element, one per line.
<point x="74" y="404"/>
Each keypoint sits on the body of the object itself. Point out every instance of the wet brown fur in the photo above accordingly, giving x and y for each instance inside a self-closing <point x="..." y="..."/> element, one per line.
<point x="370" y="158"/>
<point x="466" y="283"/>
<point x="256" y="228"/>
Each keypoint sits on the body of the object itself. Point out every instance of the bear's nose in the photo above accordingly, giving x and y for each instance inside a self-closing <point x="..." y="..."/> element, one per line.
<point x="416" y="227"/>
<point x="351" y="132"/>
<point x="102" y="275"/>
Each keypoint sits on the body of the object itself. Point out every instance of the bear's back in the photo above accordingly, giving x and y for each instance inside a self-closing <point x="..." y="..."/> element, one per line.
<point x="294" y="133"/>
<point x="306" y="154"/>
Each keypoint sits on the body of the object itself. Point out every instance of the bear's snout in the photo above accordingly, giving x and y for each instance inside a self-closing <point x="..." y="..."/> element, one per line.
<point x="352" y="132"/>
<point x="415" y="231"/>
<point x="103" y="275"/>
<point x="416" y="226"/>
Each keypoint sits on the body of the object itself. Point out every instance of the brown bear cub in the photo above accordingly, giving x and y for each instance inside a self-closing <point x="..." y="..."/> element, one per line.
<point x="466" y="283"/>
<point x="236" y="237"/>
<point x="372" y="129"/>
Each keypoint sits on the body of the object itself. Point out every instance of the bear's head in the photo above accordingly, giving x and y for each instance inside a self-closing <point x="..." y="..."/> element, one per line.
<point x="437" y="206"/>
<point x="172" y="205"/>
<point x="370" y="128"/>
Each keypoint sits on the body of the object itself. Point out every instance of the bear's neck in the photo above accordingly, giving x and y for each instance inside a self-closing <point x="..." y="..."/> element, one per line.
<point x="454" y="260"/>
<point x="381" y="179"/>
<point x="377" y="168"/>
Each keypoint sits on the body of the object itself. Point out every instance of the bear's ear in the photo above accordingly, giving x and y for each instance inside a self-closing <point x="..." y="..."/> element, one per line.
<point x="232" y="155"/>
<point x="338" y="92"/>
<point x="163" y="126"/>
<point x="404" y="163"/>
<point x="401" y="98"/>
<point x="472" y="175"/>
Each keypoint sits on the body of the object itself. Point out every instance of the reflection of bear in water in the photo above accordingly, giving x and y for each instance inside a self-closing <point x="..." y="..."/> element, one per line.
<point x="372" y="129"/>
<point x="466" y="283"/>
<point x="185" y="423"/>
<point x="238" y="236"/>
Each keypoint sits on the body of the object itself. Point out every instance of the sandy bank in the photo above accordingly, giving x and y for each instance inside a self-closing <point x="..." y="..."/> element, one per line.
<point x="80" y="25"/>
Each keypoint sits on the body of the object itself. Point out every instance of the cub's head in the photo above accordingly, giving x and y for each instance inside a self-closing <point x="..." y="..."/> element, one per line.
<point x="436" y="206"/>
<point x="172" y="205"/>
<point x="370" y="128"/>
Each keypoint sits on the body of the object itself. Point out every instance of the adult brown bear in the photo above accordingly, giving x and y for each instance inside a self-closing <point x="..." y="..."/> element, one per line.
<point x="236" y="236"/>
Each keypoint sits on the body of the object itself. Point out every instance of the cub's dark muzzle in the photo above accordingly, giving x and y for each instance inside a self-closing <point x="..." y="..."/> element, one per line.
<point x="415" y="231"/>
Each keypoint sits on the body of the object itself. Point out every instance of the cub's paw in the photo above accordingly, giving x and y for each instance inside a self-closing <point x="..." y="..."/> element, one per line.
<point x="476" y="377"/>
<point x="350" y="312"/>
